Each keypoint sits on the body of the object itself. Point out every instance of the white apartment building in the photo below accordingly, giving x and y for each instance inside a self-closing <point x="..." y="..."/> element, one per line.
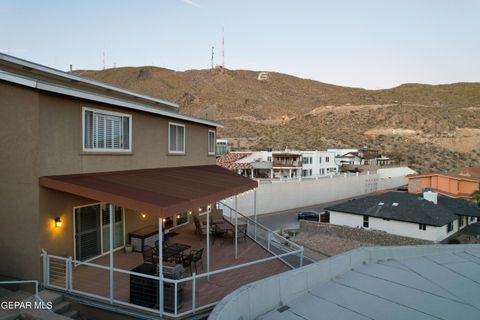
<point x="318" y="163"/>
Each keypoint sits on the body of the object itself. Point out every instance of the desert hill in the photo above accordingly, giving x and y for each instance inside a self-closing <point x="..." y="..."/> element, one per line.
<point x="429" y="127"/>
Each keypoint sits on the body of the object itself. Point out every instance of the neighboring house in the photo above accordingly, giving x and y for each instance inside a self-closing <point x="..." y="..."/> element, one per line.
<point x="430" y="217"/>
<point x="280" y="164"/>
<point x="318" y="163"/>
<point x="455" y="184"/>
<point x="222" y="147"/>
<point x="362" y="159"/>
<point x="85" y="164"/>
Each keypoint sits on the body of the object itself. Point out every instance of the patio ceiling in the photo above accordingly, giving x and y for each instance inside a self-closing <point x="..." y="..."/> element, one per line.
<point x="161" y="191"/>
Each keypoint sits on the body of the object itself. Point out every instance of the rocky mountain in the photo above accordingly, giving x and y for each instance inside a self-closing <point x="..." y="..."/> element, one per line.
<point x="429" y="127"/>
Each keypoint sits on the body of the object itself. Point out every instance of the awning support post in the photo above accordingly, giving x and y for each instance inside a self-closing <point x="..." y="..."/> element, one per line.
<point x="208" y="244"/>
<point x="160" y="265"/>
<point x="110" y="211"/>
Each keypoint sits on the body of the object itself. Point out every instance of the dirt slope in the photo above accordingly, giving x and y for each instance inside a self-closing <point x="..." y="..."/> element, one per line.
<point x="427" y="127"/>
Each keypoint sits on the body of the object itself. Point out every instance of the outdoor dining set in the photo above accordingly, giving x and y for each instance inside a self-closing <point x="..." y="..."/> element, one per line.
<point x="174" y="253"/>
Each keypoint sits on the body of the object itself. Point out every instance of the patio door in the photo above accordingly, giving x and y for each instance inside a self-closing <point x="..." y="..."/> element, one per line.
<point x="92" y="230"/>
<point x="87" y="232"/>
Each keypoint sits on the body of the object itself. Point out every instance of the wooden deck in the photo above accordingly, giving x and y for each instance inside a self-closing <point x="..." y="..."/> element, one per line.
<point x="222" y="254"/>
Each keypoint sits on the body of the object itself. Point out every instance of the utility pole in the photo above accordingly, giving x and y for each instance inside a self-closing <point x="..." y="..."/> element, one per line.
<point x="103" y="60"/>
<point x="212" y="55"/>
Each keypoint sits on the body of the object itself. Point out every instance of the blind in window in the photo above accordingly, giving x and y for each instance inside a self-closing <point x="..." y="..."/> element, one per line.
<point x="103" y="131"/>
<point x="177" y="138"/>
<point x="211" y="142"/>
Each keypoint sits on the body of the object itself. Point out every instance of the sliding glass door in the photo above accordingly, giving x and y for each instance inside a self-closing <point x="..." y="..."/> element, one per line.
<point x="92" y="230"/>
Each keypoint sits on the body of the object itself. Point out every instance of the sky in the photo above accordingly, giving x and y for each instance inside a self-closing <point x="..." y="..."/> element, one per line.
<point x="360" y="43"/>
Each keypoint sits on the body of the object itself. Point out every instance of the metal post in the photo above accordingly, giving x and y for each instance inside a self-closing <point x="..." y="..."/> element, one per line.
<point x="301" y="258"/>
<point x="208" y="243"/>
<point x="255" y="213"/>
<point x="110" y="209"/>
<point x="175" y="296"/>
<point x="194" y="285"/>
<point x="70" y="272"/>
<point x="236" y="230"/>
<point x="160" y="266"/>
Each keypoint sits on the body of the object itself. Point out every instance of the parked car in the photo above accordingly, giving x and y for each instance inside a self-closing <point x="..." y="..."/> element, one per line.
<point x="308" y="215"/>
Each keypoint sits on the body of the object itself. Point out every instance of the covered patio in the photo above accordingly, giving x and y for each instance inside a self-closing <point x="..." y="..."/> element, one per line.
<point x="226" y="263"/>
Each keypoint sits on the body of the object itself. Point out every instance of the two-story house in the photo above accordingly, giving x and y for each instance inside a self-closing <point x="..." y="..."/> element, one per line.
<point x="86" y="166"/>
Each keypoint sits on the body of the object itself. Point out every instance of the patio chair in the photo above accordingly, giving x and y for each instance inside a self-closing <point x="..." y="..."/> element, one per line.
<point x="217" y="232"/>
<point x="199" y="229"/>
<point x="185" y="261"/>
<point x="196" y="257"/>
<point x="149" y="255"/>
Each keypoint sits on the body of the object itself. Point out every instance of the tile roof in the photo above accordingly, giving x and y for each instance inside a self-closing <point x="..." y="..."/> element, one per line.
<point x="229" y="161"/>
<point x="410" y="208"/>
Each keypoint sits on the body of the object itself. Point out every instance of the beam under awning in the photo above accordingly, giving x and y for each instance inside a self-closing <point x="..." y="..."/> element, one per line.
<point x="161" y="191"/>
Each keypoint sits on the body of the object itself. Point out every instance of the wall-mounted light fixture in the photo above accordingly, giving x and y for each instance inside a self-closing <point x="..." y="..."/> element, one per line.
<point x="178" y="216"/>
<point x="199" y="209"/>
<point x="58" y="222"/>
<point x="190" y="212"/>
<point x="144" y="215"/>
<point x="209" y="207"/>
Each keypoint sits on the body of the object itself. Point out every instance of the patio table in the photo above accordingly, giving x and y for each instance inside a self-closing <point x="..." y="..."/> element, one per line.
<point x="174" y="249"/>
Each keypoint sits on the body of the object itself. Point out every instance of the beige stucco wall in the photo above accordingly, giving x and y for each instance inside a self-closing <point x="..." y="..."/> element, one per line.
<point x="19" y="247"/>
<point x="41" y="135"/>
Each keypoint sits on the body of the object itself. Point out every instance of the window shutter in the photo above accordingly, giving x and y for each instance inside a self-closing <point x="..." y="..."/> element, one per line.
<point x="100" y="131"/>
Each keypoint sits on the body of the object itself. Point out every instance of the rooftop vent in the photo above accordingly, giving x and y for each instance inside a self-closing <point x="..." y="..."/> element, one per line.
<point x="283" y="308"/>
<point x="431" y="196"/>
<point x="395" y="204"/>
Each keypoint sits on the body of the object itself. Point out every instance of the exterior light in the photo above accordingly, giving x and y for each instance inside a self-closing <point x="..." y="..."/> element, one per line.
<point x="199" y="209"/>
<point x="190" y="212"/>
<point x="144" y="215"/>
<point x="209" y="207"/>
<point x="58" y="222"/>
<point x="164" y="219"/>
<point x="178" y="216"/>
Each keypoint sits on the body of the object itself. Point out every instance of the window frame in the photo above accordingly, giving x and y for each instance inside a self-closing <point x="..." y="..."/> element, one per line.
<point x="111" y="113"/>
<point x="450" y="227"/>
<point x="366" y="221"/>
<point x="214" y="142"/>
<point x="184" y="138"/>
<point x="422" y="226"/>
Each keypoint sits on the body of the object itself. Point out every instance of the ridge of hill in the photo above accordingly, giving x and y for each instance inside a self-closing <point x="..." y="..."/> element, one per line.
<point x="429" y="127"/>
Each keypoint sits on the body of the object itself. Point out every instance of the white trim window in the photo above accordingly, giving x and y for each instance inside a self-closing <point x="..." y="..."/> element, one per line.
<point x="211" y="142"/>
<point x="176" y="138"/>
<point x="106" y="131"/>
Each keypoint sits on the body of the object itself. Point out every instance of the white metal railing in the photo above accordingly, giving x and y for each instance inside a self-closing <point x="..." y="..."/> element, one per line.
<point x="38" y="299"/>
<point x="58" y="273"/>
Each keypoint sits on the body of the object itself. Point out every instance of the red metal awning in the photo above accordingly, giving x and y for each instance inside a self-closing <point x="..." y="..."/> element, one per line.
<point x="162" y="191"/>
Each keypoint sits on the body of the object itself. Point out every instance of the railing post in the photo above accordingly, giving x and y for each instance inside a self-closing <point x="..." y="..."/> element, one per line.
<point x="268" y="240"/>
<point x="67" y="276"/>
<point x="70" y="274"/>
<point x="175" y="303"/>
<point x="47" y="276"/>
<point x="111" y="274"/>
<point x="160" y="295"/>
<point x="194" y="285"/>
<point x="301" y="257"/>
<point x="37" y="298"/>
<point x="45" y="267"/>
